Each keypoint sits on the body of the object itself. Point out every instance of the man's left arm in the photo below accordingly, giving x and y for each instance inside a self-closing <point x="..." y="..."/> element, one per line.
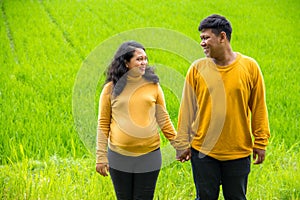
<point x="259" y="121"/>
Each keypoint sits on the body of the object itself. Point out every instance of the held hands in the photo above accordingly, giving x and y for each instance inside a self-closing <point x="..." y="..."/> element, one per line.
<point x="183" y="155"/>
<point x="102" y="169"/>
<point x="258" y="155"/>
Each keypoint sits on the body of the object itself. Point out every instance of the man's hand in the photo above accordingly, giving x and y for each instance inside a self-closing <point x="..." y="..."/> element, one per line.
<point x="183" y="155"/>
<point x="258" y="155"/>
<point x="102" y="169"/>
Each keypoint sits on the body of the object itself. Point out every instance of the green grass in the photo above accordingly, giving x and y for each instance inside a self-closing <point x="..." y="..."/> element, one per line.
<point x="43" y="46"/>
<point x="69" y="178"/>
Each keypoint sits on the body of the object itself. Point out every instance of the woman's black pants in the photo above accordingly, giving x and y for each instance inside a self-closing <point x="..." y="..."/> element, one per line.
<point x="134" y="178"/>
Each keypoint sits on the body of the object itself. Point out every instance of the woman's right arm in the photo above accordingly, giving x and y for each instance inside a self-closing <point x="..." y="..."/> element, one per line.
<point x="103" y="129"/>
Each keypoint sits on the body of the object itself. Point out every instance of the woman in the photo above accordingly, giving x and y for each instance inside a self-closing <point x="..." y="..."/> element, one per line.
<point x="130" y="108"/>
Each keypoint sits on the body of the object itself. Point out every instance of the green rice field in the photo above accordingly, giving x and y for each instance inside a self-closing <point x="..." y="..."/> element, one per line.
<point x="54" y="53"/>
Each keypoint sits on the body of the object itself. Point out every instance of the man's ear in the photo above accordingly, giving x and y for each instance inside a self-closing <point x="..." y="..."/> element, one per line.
<point x="223" y="37"/>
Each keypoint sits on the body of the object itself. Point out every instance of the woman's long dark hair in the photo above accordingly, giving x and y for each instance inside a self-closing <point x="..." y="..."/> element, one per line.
<point x="117" y="70"/>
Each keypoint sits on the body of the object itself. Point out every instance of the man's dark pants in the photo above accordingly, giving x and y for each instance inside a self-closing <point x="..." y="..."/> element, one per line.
<point x="210" y="173"/>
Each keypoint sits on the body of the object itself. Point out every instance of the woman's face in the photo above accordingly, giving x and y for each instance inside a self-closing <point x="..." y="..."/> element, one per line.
<point x="139" y="61"/>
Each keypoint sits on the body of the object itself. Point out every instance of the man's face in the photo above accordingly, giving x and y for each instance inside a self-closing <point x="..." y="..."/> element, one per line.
<point x="210" y="43"/>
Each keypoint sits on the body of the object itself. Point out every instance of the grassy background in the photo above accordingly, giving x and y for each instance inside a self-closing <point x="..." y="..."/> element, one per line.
<point x="43" y="45"/>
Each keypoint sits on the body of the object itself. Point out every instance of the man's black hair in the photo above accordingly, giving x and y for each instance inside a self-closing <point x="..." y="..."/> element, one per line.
<point x="218" y="24"/>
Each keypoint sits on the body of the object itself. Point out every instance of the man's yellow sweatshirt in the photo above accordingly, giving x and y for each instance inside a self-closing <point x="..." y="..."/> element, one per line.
<point x="223" y="110"/>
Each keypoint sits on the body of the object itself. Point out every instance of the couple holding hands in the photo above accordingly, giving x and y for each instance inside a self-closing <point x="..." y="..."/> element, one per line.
<point x="222" y="120"/>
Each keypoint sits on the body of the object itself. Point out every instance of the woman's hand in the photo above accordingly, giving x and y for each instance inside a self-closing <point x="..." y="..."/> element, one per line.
<point x="183" y="155"/>
<point x="102" y="168"/>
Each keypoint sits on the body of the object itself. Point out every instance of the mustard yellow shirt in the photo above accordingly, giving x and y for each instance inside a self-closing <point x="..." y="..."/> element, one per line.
<point x="129" y="123"/>
<point x="223" y="111"/>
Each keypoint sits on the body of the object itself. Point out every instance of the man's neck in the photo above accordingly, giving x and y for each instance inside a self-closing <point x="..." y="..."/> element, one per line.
<point x="226" y="58"/>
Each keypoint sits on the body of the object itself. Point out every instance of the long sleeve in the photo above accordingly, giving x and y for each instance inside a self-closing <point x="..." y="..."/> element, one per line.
<point x="163" y="118"/>
<point x="104" y="121"/>
<point x="257" y="105"/>
<point x="188" y="107"/>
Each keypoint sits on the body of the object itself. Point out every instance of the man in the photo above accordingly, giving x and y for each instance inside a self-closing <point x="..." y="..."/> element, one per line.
<point x="223" y="116"/>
